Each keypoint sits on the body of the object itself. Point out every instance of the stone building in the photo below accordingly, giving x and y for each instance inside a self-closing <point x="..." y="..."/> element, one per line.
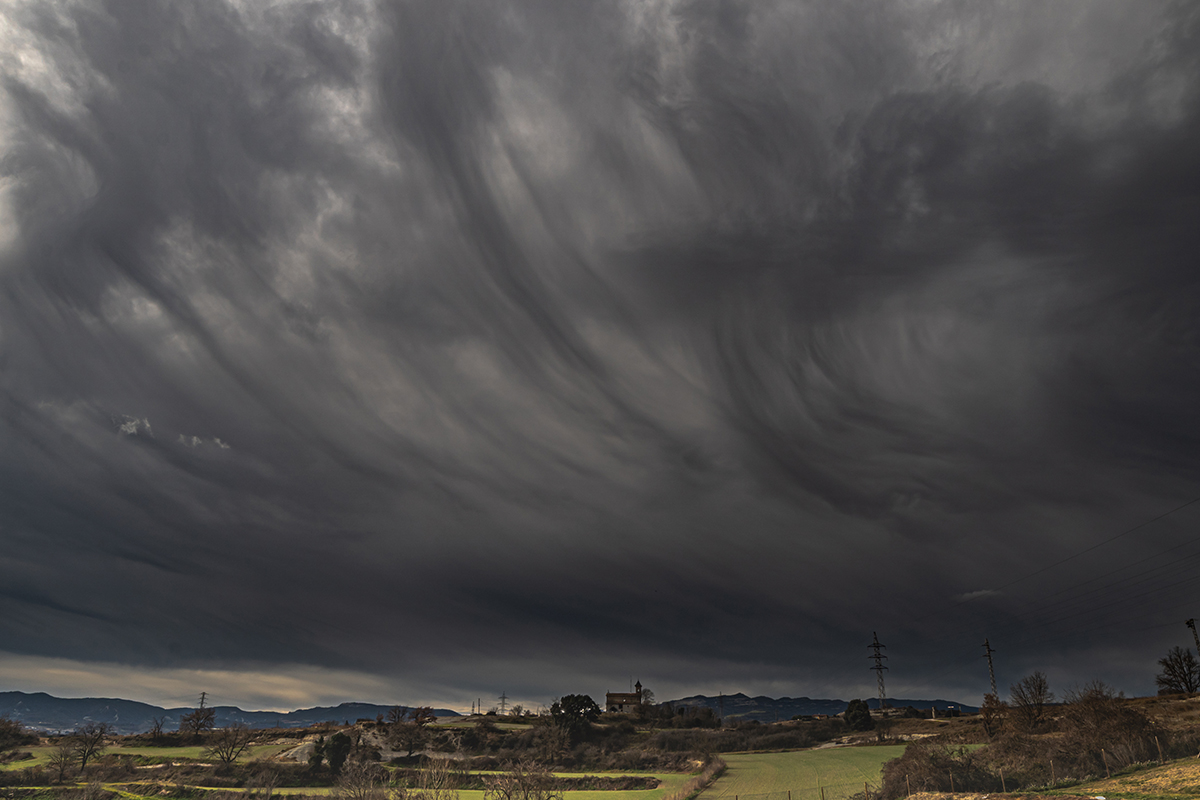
<point x="621" y="702"/>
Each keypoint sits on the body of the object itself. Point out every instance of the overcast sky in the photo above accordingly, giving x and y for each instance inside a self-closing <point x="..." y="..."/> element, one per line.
<point x="422" y="351"/>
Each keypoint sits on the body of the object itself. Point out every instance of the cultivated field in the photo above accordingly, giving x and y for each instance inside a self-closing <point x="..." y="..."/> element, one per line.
<point x="832" y="773"/>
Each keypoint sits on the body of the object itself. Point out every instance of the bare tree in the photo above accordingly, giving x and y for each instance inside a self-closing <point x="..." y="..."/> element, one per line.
<point x="264" y="782"/>
<point x="156" y="728"/>
<point x="553" y="742"/>
<point x="992" y="714"/>
<point x="1180" y="672"/>
<point x="646" y="707"/>
<point x="62" y="757"/>
<point x="89" y="742"/>
<point x="407" y="729"/>
<point x="407" y="736"/>
<point x="226" y="744"/>
<point x="361" y="781"/>
<point x="1030" y="696"/>
<point x="422" y="715"/>
<point x="523" y="780"/>
<point x="198" y="721"/>
<point x="440" y="780"/>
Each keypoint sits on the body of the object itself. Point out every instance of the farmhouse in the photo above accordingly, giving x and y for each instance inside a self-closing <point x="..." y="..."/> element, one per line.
<point x="623" y="701"/>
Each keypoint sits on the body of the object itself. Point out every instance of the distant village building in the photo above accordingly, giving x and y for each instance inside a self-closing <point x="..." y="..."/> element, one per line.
<point x="621" y="702"/>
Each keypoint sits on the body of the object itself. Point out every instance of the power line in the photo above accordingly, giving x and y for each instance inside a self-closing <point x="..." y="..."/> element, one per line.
<point x="1089" y="549"/>
<point x="1038" y="605"/>
<point x="1130" y="565"/>
<point x="1048" y="604"/>
<point x="1133" y="614"/>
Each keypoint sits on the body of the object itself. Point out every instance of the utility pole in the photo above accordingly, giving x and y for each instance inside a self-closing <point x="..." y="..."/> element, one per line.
<point x="879" y="667"/>
<point x="503" y="702"/>
<point x="1191" y="623"/>
<point x="987" y="647"/>
<point x="203" y="697"/>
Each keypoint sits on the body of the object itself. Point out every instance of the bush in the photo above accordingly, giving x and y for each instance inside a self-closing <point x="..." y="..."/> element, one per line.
<point x="13" y="735"/>
<point x="1096" y="718"/>
<point x="929" y="767"/>
<point x="858" y="716"/>
<point x="336" y="749"/>
<point x="1096" y="727"/>
<point x="711" y="771"/>
<point x="523" y="780"/>
<point x="362" y="781"/>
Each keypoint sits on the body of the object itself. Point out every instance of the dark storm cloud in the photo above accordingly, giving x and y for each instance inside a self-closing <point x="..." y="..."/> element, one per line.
<point x="589" y="336"/>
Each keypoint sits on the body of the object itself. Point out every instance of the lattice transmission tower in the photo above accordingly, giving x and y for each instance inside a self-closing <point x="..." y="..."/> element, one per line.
<point x="879" y="667"/>
<point x="987" y="648"/>
<point x="1191" y="623"/>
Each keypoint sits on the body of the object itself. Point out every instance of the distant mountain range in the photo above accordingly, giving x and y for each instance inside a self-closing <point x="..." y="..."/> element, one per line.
<point x="45" y="713"/>
<point x="770" y="709"/>
<point x="42" y="712"/>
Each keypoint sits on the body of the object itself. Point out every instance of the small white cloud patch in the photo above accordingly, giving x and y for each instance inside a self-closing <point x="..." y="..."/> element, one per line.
<point x="132" y="426"/>
<point x="962" y="598"/>
<point x="196" y="441"/>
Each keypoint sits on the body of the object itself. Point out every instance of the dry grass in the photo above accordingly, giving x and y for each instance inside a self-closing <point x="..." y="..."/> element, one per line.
<point x="1179" y="780"/>
<point x="1175" y="779"/>
<point x="1013" y="796"/>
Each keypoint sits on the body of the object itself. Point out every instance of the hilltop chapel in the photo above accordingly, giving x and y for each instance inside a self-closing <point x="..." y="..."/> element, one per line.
<point x="621" y="702"/>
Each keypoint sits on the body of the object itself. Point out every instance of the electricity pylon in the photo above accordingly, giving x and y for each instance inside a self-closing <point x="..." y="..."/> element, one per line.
<point x="991" y="672"/>
<point x="879" y="667"/>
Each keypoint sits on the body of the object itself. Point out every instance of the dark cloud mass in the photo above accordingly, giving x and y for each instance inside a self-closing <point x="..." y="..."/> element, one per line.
<point x="523" y="346"/>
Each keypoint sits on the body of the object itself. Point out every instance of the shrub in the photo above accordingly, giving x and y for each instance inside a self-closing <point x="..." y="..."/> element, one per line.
<point x="362" y="781"/>
<point x="711" y="771"/>
<point x="858" y="716"/>
<point x="1096" y="718"/>
<point x="13" y="735"/>
<point x="440" y="780"/>
<point x="929" y="767"/>
<point x="336" y="749"/>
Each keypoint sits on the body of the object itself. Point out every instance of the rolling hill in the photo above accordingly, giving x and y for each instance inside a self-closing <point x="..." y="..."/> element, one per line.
<point x="43" y="712"/>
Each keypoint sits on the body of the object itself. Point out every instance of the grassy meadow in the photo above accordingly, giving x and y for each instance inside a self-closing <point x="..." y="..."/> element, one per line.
<point x="841" y="771"/>
<point x="148" y="755"/>
<point x="670" y="782"/>
<point x="1176" y="780"/>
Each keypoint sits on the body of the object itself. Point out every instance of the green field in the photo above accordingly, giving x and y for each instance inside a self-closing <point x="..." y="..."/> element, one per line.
<point x="149" y="755"/>
<point x="832" y="773"/>
<point x="471" y="722"/>
<point x="670" y="782"/>
<point x="41" y="754"/>
<point x="827" y="774"/>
